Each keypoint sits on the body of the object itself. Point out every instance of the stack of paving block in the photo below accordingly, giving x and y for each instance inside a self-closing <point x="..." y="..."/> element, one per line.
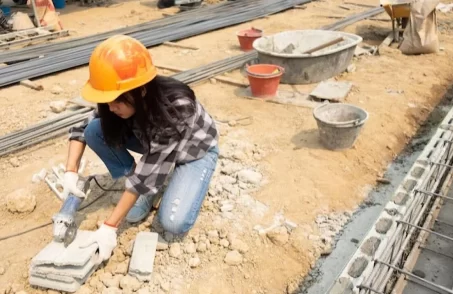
<point x="64" y="269"/>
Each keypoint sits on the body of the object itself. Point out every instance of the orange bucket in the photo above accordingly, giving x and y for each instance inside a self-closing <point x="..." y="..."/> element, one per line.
<point x="247" y="37"/>
<point x="264" y="79"/>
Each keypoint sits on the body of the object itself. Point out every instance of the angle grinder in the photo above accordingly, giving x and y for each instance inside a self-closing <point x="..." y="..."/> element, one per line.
<point x="64" y="222"/>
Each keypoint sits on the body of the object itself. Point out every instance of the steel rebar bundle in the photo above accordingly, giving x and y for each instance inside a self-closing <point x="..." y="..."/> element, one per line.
<point x="208" y="19"/>
<point x="57" y="126"/>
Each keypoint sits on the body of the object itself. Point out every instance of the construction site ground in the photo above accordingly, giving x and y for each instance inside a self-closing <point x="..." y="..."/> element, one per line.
<point x="302" y="181"/>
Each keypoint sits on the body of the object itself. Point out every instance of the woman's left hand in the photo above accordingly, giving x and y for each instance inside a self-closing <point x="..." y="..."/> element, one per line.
<point x="105" y="237"/>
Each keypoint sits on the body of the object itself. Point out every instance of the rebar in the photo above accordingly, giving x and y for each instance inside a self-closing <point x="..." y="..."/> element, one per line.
<point x="208" y="19"/>
<point x="188" y="77"/>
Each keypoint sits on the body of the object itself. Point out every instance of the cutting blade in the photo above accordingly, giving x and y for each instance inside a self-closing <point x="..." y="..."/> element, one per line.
<point x="70" y="234"/>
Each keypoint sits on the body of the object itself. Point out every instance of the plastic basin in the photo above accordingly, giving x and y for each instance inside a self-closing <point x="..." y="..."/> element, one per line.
<point x="286" y="49"/>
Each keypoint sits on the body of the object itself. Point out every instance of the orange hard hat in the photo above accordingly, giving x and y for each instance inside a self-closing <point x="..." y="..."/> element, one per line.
<point x="117" y="65"/>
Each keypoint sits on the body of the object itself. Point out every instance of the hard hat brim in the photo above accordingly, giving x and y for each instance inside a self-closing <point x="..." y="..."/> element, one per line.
<point x="90" y="94"/>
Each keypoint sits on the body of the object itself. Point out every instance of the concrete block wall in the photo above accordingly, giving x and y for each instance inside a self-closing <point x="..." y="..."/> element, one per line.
<point x="384" y="231"/>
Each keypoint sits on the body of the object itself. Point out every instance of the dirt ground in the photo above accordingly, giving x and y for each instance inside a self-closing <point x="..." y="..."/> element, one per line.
<point x="302" y="180"/>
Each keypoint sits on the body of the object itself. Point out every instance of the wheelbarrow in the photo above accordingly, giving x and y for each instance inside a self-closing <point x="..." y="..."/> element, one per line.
<point x="399" y="11"/>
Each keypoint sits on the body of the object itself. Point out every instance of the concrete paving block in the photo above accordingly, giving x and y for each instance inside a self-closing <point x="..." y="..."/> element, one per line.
<point x="78" y="272"/>
<point x="55" y="253"/>
<point x="53" y="284"/>
<point x="383" y="225"/>
<point x="59" y="282"/>
<point x="142" y="260"/>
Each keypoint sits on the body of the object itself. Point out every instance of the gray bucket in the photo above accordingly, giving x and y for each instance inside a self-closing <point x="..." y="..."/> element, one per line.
<point x="339" y="125"/>
<point x="286" y="50"/>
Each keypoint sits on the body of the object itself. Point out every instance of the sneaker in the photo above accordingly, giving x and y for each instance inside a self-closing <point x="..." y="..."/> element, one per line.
<point x="140" y="210"/>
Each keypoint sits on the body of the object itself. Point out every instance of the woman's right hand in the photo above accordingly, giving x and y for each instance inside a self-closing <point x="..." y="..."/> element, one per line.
<point x="70" y="180"/>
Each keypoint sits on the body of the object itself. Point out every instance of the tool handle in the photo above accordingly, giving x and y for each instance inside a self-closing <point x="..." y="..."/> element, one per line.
<point x="71" y="205"/>
<point x="325" y="45"/>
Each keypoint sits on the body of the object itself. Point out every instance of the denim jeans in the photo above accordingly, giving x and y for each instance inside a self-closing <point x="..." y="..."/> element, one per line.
<point x="187" y="188"/>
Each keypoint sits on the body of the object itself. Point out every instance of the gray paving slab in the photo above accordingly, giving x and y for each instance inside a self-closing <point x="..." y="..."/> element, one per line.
<point x="332" y="90"/>
<point x="56" y="254"/>
<point x="78" y="272"/>
<point x="142" y="260"/>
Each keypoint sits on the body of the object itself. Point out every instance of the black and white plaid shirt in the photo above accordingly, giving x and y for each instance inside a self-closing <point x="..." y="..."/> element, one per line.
<point x="197" y="135"/>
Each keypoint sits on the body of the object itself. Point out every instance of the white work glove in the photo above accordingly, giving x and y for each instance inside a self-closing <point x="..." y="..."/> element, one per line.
<point x="105" y="238"/>
<point x="70" y="185"/>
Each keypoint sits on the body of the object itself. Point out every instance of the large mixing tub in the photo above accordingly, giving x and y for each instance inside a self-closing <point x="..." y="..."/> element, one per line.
<point x="286" y="50"/>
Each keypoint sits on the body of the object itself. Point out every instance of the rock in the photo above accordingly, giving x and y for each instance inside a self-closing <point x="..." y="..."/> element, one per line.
<point x="21" y="201"/>
<point x="293" y="287"/>
<point x="226" y="207"/>
<point x="175" y="250"/>
<point x="84" y="290"/>
<point x="2" y="271"/>
<point x="52" y="292"/>
<point x="224" y="243"/>
<point x="162" y="244"/>
<point x="351" y="68"/>
<point x="194" y="262"/>
<point x="165" y="286"/>
<point x="146" y="290"/>
<point x="239" y="245"/>
<point x="113" y="290"/>
<point x="232" y="123"/>
<point x="56" y="90"/>
<point x="121" y="269"/>
<point x="14" y="162"/>
<point x="89" y="225"/>
<point x="278" y="236"/>
<point x="108" y="280"/>
<point x="213" y="237"/>
<point x="224" y="180"/>
<point x="202" y="247"/>
<point x="130" y="283"/>
<point x="21" y="292"/>
<point x="223" y="233"/>
<point x="57" y="106"/>
<point x="213" y="81"/>
<point x="233" y="258"/>
<point x="118" y="255"/>
<point x="250" y="176"/>
<point x="190" y="248"/>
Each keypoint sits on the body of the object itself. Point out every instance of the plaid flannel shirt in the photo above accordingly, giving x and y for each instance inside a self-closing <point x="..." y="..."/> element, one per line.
<point x="197" y="134"/>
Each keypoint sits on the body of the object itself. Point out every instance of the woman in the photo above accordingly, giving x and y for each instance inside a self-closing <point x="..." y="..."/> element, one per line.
<point x="149" y="114"/>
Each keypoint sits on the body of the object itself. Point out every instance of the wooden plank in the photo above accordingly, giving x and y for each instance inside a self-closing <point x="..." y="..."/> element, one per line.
<point x="172" y="44"/>
<point x="32" y="85"/>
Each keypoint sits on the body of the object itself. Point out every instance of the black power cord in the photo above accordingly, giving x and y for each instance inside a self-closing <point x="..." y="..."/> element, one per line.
<point x="80" y="208"/>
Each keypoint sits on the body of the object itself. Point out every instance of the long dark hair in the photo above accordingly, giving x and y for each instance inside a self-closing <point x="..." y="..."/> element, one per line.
<point x="154" y="110"/>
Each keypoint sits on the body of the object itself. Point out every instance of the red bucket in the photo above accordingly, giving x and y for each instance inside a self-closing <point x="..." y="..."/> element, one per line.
<point x="264" y="79"/>
<point x="246" y="38"/>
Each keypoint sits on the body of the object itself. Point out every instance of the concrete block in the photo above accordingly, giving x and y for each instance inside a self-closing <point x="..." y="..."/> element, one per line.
<point x="417" y="172"/>
<point x="401" y="198"/>
<point x="56" y="254"/>
<point x="64" y="269"/>
<point x="409" y="185"/>
<point x="142" y="260"/>
<point x="357" y="267"/>
<point x="78" y="272"/>
<point x="342" y="286"/>
<point x="370" y="246"/>
<point x="383" y="225"/>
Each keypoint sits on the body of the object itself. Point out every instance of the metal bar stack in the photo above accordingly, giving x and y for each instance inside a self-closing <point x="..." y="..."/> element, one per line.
<point x="36" y="134"/>
<point x="192" y="24"/>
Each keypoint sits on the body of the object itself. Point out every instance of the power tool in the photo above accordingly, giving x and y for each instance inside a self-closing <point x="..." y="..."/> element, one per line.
<point x="64" y="222"/>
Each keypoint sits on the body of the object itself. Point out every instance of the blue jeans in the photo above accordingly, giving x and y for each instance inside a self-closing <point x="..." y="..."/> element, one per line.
<point x="187" y="188"/>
